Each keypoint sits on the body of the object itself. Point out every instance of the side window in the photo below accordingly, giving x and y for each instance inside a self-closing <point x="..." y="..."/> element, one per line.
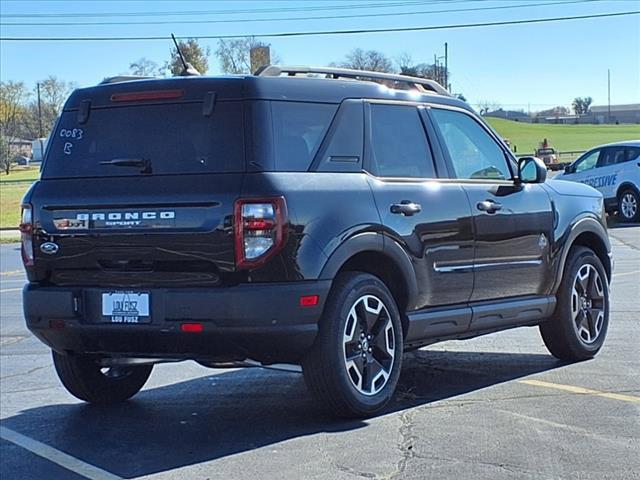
<point x="587" y="162"/>
<point x="298" y="129"/>
<point x="632" y="154"/>
<point x="610" y="156"/>
<point x="474" y="154"/>
<point x="399" y="145"/>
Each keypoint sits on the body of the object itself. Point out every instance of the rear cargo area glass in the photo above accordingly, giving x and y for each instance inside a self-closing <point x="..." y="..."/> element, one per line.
<point x="175" y="138"/>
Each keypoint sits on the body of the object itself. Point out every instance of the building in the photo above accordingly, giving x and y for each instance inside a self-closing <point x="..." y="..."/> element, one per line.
<point x="515" y="115"/>
<point x="629" y="113"/>
<point x="19" y="146"/>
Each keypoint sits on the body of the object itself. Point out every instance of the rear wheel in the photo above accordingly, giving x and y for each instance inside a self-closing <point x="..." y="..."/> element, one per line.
<point x="354" y="366"/>
<point x="577" y="329"/>
<point x="87" y="380"/>
<point x="629" y="206"/>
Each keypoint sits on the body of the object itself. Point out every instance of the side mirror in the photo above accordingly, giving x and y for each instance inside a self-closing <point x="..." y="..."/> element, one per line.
<point x="568" y="169"/>
<point x="531" y="170"/>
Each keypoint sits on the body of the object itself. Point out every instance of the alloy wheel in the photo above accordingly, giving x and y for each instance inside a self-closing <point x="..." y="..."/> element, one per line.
<point x="628" y="205"/>
<point x="369" y="345"/>
<point x="588" y="304"/>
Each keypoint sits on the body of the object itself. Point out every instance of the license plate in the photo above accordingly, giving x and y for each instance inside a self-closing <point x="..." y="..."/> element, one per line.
<point x="125" y="307"/>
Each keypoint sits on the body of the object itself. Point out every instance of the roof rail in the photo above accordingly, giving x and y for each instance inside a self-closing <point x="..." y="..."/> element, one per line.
<point x="123" y="78"/>
<point x="420" y="84"/>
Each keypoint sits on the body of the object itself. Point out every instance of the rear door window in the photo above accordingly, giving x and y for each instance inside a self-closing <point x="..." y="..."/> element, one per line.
<point x="399" y="146"/>
<point x="611" y="156"/>
<point x="298" y="130"/>
<point x="174" y="138"/>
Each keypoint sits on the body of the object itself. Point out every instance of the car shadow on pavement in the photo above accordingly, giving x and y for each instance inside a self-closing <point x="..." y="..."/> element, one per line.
<point x="215" y="416"/>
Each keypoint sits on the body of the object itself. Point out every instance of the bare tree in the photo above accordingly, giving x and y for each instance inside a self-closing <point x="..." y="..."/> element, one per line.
<point x="234" y="54"/>
<point x="422" y="70"/>
<point x="486" y="106"/>
<point x="145" y="68"/>
<point x="372" y="60"/>
<point x="53" y="94"/>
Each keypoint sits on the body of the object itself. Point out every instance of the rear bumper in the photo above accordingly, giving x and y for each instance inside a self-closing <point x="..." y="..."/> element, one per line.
<point x="264" y="322"/>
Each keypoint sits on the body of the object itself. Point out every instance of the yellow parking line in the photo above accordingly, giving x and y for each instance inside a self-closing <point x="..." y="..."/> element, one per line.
<point x="11" y="290"/>
<point x="581" y="390"/>
<point x="636" y="272"/>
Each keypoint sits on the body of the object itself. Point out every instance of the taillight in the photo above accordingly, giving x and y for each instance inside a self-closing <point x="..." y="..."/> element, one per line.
<point x="26" y="235"/>
<point x="260" y="230"/>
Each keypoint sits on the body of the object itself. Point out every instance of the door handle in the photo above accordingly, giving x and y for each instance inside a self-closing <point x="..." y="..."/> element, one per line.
<point x="406" y="208"/>
<point x="488" y="206"/>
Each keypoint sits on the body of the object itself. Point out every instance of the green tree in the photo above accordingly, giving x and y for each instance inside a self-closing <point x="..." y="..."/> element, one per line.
<point x="193" y="53"/>
<point x="13" y="96"/>
<point x="581" y="106"/>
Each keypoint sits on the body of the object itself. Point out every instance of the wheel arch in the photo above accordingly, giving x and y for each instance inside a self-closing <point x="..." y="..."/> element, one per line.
<point x="375" y="254"/>
<point x="626" y="185"/>
<point x="589" y="233"/>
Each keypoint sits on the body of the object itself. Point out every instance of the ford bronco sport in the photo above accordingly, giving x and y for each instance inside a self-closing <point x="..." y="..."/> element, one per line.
<point x="326" y="218"/>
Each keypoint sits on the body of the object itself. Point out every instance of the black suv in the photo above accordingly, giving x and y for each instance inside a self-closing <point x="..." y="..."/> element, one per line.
<point x="321" y="217"/>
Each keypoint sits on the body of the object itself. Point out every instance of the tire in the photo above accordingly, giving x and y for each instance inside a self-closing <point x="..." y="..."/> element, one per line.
<point x="353" y="368"/>
<point x="578" y="327"/>
<point x="629" y="206"/>
<point x="85" y="379"/>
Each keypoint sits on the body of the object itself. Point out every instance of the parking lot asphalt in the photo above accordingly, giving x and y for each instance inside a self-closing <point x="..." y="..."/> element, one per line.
<point x="496" y="407"/>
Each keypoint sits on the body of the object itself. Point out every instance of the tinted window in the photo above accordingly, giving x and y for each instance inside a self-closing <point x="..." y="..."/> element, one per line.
<point x="611" y="156"/>
<point x="175" y="138"/>
<point x="587" y="162"/>
<point x="298" y="130"/>
<point x="474" y="154"/>
<point x="398" y="143"/>
<point x="632" y="153"/>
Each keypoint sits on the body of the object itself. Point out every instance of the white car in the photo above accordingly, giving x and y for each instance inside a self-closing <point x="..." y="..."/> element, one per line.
<point x="614" y="170"/>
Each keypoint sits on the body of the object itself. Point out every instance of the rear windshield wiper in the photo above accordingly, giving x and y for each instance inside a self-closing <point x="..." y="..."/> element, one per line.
<point x="143" y="163"/>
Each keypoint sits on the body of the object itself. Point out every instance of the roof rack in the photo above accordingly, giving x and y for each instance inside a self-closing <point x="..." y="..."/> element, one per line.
<point x="123" y="78"/>
<point x="397" y="81"/>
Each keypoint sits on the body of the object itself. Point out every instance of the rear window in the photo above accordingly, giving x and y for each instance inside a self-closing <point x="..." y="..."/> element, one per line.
<point x="174" y="138"/>
<point x="298" y="130"/>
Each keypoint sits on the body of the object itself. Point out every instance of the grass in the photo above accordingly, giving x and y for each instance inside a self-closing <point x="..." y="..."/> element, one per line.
<point x="20" y="174"/>
<point x="10" y="198"/>
<point x="9" y="239"/>
<point x="564" y="138"/>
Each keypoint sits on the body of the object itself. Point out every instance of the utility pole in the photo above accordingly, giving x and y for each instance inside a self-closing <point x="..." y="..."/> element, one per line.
<point x="609" y="95"/>
<point x="39" y="113"/>
<point x="446" y="66"/>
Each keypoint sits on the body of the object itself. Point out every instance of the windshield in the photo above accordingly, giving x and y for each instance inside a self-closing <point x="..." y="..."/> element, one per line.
<point x="171" y="138"/>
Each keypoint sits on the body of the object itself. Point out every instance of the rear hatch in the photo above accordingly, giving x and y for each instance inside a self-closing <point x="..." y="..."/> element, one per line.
<point x="139" y="184"/>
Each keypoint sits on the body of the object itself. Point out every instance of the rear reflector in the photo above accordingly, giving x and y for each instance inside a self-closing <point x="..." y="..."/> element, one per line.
<point x="191" y="327"/>
<point x="151" y="95"/>
<point x="309" y="300"/>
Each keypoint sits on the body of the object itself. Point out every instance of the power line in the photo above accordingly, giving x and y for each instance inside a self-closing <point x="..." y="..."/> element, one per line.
<point x="307" y="8"/>
<point x="328" y="32"/>
<point x="331" y="17"/>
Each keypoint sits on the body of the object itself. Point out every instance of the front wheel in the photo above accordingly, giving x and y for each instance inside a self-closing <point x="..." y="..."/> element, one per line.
<point x="87" y="380"/>
<point x="354" y="366"/>
<point x="578" y="327"/>
<point x="629" y="206"/>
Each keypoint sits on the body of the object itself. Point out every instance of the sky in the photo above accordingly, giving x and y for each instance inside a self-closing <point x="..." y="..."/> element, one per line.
<point x="526" y="66"/>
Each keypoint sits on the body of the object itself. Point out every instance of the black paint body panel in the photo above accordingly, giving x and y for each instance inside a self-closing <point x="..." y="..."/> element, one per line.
<point x="465" y="272"/>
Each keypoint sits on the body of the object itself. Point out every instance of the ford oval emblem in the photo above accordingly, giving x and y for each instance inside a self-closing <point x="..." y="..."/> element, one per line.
<point x="49" y="248"/>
